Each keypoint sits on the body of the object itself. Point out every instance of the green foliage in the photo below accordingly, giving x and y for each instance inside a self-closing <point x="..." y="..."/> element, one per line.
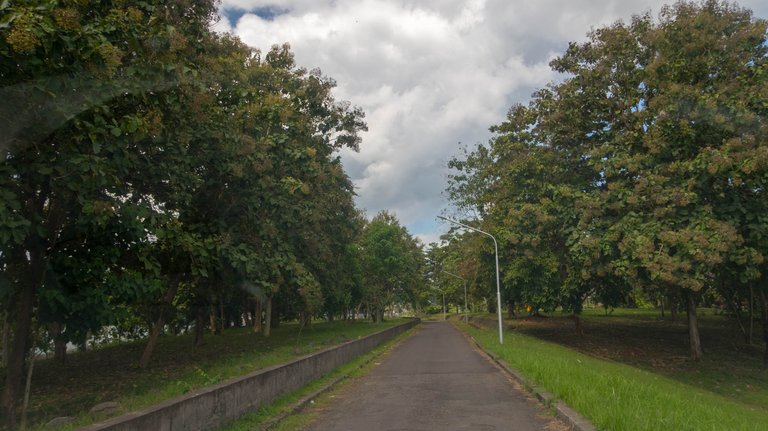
<point x="152" y="167"/>
<point x="645" y="168"/>
<point x="391" y="261"/>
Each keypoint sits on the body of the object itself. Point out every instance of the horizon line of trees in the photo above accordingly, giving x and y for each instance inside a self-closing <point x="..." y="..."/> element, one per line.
<point x="645" y="169"/>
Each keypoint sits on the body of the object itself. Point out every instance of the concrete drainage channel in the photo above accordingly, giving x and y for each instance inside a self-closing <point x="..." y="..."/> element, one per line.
<point x="571" y="417"/>
<point x="306" y="400"/>
<point x="211" y="407"/>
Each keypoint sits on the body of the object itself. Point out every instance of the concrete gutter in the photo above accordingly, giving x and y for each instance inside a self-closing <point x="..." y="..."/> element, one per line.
<point x="302" y="403"/>
<point x="209" y="408"/>
<point x="571" y="417"/>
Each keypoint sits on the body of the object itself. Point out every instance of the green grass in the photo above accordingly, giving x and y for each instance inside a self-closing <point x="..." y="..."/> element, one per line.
<point x="643" y="339"/>
<point x="301" y="419"/>
<point x="616" y="396"/>
<point x="112" y="374"/>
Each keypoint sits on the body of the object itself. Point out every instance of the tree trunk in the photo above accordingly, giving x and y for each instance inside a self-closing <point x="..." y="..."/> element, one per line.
<point x="735" y="310"/>
<point x="27" y="391"/>
<point x="510" y="310"/>
<point x="199" y="327"/>
<point x="222" y="318"/>
<point x="159" y="324"/>
<point x="577" y="323"/>
<point x="275" y="316"/>
<point x="268" y="318"/>
<point x="693" y="328"/>
<point x="5" y="340"/>
<point x="257" y="317"/>
<point x="21" y="343"/>
<point x="60" y="345"/>
<point x="764" y="299"/>
<point x="662" y="306"/>
<point x="214" y="319"/>
<point x="751" y="313"/>
<point x="154" y="337"/>
<point x="673" y="306"/>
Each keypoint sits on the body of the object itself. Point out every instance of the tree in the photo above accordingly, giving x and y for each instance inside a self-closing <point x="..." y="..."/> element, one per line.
<point x="643" y="168"/>
<point x="81" y="116"/>
<point x="154" y="169"/>
<point x="391" y="261"/>
<point x="672" y="107"/>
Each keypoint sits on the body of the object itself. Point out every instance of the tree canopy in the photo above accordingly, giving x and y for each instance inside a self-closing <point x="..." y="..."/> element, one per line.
<point x="158" y="175"/>
<point x="644" y="168"/>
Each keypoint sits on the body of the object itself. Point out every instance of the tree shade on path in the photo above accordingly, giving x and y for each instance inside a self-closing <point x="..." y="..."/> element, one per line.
<point x="434" y="380"/>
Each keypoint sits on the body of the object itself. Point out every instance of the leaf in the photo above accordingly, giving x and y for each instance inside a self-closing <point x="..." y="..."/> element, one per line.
<point x="116" y="132"/>
<point x="6" y="21"/>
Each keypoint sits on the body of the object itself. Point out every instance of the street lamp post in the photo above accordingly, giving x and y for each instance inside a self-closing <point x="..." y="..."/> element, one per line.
<point x="498" y="286"/>
<point x="466" y="309"/>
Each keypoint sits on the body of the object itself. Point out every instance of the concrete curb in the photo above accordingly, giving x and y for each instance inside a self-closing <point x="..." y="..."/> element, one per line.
<point x="571" y="417"/>
<point x="211" y="407"/>
<point x="303" y="401"/>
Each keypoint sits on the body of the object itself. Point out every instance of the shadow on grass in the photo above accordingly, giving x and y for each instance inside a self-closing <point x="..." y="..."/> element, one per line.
<point x="731" y="367"/>
<point x="112" y="373"/>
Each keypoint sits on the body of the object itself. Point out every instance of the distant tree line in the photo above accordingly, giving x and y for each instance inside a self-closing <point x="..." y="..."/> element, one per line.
<point x="644" y="170"/>
<point x="157" y="176"/>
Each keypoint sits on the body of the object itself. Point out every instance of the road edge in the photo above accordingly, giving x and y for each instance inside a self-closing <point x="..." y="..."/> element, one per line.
<point x="562" y="411"/>
<point x="302" y="402"/>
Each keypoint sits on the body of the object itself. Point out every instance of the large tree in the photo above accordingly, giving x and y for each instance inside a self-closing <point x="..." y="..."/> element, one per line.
<point x="75" y="79"/>
<point x="149" y="162"/>
<point x="391" y="261"/>
<point x="644" y="167"/>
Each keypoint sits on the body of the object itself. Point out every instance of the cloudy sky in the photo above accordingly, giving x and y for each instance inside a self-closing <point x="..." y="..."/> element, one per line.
<point x="431" y="76"/>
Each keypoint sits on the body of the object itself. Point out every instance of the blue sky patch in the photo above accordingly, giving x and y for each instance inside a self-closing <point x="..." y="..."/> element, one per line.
<point x="267" y="13"/>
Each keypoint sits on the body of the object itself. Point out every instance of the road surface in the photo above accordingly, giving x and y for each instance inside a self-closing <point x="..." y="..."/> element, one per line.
<point x="434" y="380"/>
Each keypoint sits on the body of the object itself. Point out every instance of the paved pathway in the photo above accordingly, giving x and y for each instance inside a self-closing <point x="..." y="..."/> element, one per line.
<point x="434" y="380"/>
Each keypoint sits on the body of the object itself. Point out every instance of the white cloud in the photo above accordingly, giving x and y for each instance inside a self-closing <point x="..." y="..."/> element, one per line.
<point x="428" y="74"/>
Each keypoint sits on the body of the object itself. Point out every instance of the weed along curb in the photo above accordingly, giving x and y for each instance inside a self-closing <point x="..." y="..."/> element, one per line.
<point x="562" y="410"/>
<point x="304" y="401"/>
<point x="211" y="407"/>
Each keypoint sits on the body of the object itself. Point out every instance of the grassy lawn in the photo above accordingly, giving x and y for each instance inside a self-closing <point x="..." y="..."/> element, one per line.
<point x="641" y="338"/>
<point x="300" y="420"/>
<point x="630" y="370"/>
<point x="112" y="374"/>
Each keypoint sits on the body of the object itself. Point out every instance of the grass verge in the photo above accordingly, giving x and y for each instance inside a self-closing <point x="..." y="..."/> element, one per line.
<point x="643" y="339"/>
<point x="285" y="405"/>
<point x="111" y="374"/>
<point x="616" y="396"/>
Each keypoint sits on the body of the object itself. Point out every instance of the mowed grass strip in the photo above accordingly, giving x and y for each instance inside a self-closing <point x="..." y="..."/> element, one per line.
<point x="112" y="374"/>
<point x="616" y="396"/>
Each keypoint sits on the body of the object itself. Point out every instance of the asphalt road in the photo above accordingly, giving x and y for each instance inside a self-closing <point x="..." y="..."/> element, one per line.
<point x="434" y="380"/>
